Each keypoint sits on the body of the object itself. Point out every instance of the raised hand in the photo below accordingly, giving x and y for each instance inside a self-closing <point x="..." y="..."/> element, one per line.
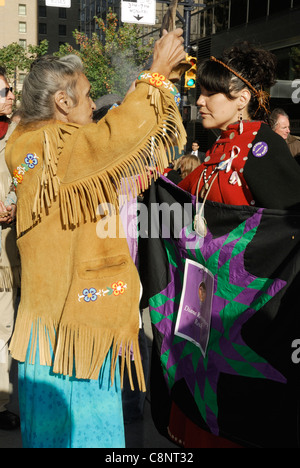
<point x="168" y="52"/>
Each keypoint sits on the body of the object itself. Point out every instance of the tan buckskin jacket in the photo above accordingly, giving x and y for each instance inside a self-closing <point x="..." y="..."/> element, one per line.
<point x="80" y="293"/>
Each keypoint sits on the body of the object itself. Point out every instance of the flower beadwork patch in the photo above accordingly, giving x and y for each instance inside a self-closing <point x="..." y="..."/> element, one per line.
<point x="119" y="288"/>
<point x="177" y="99"/>
<point x="157" y="79"/>
<point x="91" y="294"/>
<point x="30" y="162"/>
<point x="160" y="81"/>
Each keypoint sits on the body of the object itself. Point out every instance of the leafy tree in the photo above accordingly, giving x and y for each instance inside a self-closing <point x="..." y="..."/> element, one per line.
<point x="16" y="59"/>
<point x="12" y="57"/>
<point x="112" y="59"/>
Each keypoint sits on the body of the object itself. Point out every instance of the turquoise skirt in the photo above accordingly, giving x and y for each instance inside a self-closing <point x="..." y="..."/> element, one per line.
<point x="63" y="412"/>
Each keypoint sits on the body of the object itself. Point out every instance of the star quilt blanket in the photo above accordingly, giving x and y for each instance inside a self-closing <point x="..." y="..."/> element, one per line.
<point x="225" y="316"/>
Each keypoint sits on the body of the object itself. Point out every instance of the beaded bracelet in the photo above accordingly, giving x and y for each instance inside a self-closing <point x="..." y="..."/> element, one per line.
<point x="161" y="82"/>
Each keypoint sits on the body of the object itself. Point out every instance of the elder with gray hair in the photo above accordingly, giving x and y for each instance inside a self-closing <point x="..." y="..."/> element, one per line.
<point x="79" y="307"/>
<point x="280" y="123"/>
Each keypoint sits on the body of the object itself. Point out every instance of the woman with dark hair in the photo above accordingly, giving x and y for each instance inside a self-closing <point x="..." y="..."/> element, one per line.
<point x="248" y="164"/>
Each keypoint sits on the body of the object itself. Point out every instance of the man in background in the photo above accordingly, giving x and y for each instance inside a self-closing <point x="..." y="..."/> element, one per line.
<point x="280" y="123"/>
<point x="196" y="150"/>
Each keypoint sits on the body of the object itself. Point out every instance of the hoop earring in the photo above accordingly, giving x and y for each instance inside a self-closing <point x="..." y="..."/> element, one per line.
<point x="241" y="125"/>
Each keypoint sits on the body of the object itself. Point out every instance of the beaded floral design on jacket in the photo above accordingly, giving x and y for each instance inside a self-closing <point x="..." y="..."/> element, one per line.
<point x="91" y="294"/>
<point x="30" y="161"/>
<point x="160" y="81"/>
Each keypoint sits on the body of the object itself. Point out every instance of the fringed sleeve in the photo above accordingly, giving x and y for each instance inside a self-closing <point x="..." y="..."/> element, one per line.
<point x="120" y="147"/>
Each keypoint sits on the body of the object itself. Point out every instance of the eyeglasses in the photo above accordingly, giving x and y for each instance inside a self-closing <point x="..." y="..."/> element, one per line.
<point x="4" y="92"/>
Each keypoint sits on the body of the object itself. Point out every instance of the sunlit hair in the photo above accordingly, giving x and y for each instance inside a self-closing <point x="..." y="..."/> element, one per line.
<point x="48" y="75"/>
<point x="186" y="164"/>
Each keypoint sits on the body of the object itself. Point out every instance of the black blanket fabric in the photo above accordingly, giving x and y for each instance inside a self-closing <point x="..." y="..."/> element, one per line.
<point x="246" y="385"/>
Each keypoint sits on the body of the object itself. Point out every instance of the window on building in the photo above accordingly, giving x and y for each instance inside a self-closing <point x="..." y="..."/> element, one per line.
<point x="23" y="43"/>
<point x="42" y="11"/>
<point x="295" y="61"/>
<point x="22" y="9"/>
<point x="278" y="5"/>
<point x="21" y="78"/>
<point x="22" y="27"/>
<point x="221" y="17"/>
<point x="238" y="13"/>
<point x="288" y="62"/>
<point x="62" y="13"/>
<point x="257" y="9"/>
<point x="42" y="28"/>
<point x="62" y="30"/>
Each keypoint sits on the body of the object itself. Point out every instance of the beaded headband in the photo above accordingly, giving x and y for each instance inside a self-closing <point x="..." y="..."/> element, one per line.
<point x="261" y="95"/>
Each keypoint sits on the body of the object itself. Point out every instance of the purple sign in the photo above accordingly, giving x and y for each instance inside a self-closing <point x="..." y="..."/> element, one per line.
<point x="194" y="314"/>
<point x="260" y="149"/>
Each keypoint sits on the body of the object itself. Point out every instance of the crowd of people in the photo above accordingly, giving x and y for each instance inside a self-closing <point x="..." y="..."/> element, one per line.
<point x="58" y="164"/>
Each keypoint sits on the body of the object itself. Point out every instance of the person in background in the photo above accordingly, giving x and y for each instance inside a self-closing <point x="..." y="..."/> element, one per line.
<point x="182" y="167"/>
<point x="280" y="123"/>
<point x="9" y="259"/>
<point x="196" y="150"/>
<point x="186" y="164"/>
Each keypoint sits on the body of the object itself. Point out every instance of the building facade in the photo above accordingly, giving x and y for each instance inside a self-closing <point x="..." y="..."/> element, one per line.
<point x="28" y="22"/>
<point x="56" y="24"/>
<point x="18" y="22"/>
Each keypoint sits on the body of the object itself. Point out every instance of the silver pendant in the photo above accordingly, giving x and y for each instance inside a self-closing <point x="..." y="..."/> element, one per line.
<point x="200" y="225"/>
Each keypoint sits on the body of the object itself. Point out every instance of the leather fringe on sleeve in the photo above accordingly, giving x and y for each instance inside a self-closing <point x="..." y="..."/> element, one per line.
<point x="80" y="199"/>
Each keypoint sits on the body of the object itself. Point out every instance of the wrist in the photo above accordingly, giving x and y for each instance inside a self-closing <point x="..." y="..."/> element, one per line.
<point x="161" y="68"/>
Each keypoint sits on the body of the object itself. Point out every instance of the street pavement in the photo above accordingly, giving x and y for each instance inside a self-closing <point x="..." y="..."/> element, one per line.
<point x="139" y="434"/>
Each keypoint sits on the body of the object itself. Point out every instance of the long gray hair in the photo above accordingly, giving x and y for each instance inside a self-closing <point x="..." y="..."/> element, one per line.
<point x="48" y="75"/>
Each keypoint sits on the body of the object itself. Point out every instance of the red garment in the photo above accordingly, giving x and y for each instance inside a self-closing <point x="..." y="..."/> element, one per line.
<point x="222" y="190"/>
<point x="3" y="127"/>
<point x="187" y="434"/>
<point x="168" y="169"/>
